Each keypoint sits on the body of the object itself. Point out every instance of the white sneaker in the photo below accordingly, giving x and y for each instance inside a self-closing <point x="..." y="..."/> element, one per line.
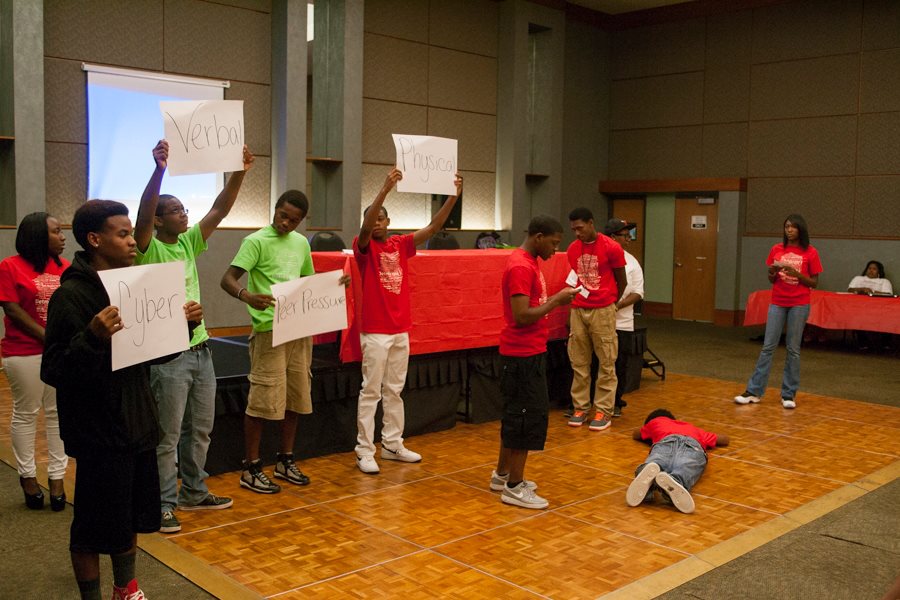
<point x="523" y="496"/>
<point x="498" y="482"/>
<point x="641" y="483"/>
<point x="367" y="464"/>
<point x="788" y="403"/>
<point x="747" y="398"/>
<point x="679" y="496"/>
<point x="402" y="454"/>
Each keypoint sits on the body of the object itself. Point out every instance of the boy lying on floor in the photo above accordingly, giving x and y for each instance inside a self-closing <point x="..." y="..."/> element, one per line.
<point x="676" y="460"/>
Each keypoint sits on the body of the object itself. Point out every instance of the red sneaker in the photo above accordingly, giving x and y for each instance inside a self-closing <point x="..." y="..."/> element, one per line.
<point x="131" y="592"/>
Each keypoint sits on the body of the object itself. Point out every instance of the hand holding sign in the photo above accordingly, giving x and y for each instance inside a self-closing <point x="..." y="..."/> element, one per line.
<point x="428" y="164"/>
<point x="148" y="317"/>
<point x="207" y="136"/>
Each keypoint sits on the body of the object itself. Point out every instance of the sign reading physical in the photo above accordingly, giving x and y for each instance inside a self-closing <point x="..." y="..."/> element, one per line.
<point x="428" y="164"/>
<point x="151" y="301"/>
<point x="205" y="136"/>
<point x="308" y="306"/>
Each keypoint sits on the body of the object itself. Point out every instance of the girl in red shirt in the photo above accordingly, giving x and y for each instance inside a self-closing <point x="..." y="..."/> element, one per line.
<point x="27" y="280"/>
<point x="794" y="268"/>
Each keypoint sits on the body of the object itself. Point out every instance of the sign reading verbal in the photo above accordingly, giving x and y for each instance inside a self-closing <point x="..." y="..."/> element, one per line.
<point x="205" y="136"/>
<point x="428" y="164"/>
<point x="309" y="306"/>
<point x="151" y="302"/>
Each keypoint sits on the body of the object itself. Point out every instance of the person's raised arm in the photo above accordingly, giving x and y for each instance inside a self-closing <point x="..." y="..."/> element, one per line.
<point x="722" y="439"/>
<point x="525" y="315"/>
<point x="143" y="225"/>
<point x="365" y="230"/>
<point x="232" y="286"/>
<point x="225" y="200"/>
<point x="23" y="320"/>
<point x="423" y="235"/>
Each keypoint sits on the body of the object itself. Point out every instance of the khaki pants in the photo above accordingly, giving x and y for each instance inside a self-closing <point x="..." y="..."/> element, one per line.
<point x="593" y="330"/>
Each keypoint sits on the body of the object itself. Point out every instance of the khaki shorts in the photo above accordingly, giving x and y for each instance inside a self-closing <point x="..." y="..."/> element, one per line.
<point x="280" y="377"/>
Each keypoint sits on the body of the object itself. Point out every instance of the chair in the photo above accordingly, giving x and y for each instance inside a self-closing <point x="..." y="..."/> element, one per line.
<point x="326" y="241"/>
<point x="442" y="240"/>
<point x="487" y="239"/>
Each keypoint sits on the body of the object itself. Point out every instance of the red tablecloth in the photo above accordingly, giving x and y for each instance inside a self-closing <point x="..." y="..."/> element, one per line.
<point x="831" y="310"/>
<point x="455" y="296"/>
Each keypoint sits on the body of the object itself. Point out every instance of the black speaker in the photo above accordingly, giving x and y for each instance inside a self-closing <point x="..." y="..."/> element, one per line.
<point x="454" y="221"/>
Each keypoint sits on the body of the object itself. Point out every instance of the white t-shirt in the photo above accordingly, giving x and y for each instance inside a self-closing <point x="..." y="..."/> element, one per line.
<point x="634" y="275"/>
<point x="876" y="285"/>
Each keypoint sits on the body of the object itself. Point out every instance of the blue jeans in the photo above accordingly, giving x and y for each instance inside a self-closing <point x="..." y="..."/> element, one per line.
<point x="795" y="316"/>
<point x="680" y="456"/>
<point x="185" y="391"/>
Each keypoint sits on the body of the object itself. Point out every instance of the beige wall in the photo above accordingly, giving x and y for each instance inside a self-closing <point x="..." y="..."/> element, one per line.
<point x="430" y="68"/>
<point x="187" y="37"/>
<point x="802" y="98"/>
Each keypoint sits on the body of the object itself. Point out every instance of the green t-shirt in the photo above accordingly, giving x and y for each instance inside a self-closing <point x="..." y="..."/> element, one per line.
<point x="190" y="244"/>
<point x="270" y="258"/>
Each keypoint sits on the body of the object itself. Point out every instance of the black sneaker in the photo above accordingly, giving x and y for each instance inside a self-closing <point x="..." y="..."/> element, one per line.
<point x="286" y="468"/>
<point x="169" y="523"/>
<point x="253" y="478"/>
<point x="211" y="502"/>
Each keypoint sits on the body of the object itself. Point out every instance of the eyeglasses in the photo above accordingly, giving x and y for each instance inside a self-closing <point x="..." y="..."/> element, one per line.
<point x="177" y="211"/>
<point x="621" y="234"/>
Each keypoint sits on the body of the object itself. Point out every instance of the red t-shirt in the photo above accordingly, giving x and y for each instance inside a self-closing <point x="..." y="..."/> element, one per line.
<point x="788" y="291"/>
<point x="20" y="283"/>
<point x="594" y="264"/>
<point x="522" y="275"/>
<point x="385" y="283"/>
<point x="660" y="427"/>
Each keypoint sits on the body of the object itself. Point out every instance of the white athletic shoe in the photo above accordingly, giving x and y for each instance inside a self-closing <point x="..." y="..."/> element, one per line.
<point x="523" y="496"/>
<point x="788" y="403"/>
<point x="367" y="464"/>
<point x="747" y="398"/>
<point x="679" y="496"/>
<point x="498" y="482"/>
<point x="641" y="483"/>
<point x="402" y="454"/>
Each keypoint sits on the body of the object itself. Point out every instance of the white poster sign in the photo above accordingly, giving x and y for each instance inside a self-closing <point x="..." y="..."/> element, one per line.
<point x="428" y="164"/>
<point x="698" y="221"/>
<point x="309" y="306"/>
<point x="205" y="136"/>
<point x="150" y="299"/>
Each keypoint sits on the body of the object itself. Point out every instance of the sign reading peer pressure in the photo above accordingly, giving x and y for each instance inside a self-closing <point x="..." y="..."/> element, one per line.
<point x="428" y="164"/>
<point x="150" y="299"/>
<point x="205" y="136"/>
<point x="309" y="306"/>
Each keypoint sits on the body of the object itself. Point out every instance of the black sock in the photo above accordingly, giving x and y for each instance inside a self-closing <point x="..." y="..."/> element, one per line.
<point x="512" y="484"/>
<point x="123" y="568"/>
<point x="90" y="590"/>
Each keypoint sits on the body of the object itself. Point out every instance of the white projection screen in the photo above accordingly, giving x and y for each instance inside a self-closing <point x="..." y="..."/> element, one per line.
<point x="124" y="124"/>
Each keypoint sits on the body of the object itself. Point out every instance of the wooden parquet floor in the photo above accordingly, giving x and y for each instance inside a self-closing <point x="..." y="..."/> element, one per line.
<point x="434" y="529"/>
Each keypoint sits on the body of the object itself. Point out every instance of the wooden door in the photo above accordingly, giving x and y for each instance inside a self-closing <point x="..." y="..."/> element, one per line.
<point x="694" y="281"/>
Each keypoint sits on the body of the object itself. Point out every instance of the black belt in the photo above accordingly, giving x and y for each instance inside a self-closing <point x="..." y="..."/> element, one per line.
<point x="198" y="347"/>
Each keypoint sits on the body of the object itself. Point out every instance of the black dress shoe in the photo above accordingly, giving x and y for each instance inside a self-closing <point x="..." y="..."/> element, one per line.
<point x="57" y="503"/>
<point x="32" y="501"/>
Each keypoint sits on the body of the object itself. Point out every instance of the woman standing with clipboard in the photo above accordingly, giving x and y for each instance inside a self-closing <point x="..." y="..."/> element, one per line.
<point x="794" y="268"/>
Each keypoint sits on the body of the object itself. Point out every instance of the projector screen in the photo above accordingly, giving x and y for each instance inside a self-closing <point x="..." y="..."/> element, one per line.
<point x="124" y="124"/>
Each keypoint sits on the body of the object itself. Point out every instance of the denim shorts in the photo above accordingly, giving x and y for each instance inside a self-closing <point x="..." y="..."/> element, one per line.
<point x="526" y="402"/>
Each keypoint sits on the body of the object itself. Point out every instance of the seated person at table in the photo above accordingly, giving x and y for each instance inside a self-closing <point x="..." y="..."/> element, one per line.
<point x="676" y="460"/>
<point x="386" y="321"/>
<point x="871" y="281"/>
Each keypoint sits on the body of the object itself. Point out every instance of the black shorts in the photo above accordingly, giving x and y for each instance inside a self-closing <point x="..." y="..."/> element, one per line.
<point x="116" y="496"/>
<point x="526" y="403"/>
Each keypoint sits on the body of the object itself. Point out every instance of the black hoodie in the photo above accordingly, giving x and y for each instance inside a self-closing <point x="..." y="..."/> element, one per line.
<point x="100" y="410"/>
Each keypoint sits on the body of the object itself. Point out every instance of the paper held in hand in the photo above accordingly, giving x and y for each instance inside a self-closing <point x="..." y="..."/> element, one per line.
<point x="309" y="306"/>
<point x="205" y="136"/>
<point x="572" y="281"/>
<point x="150" y="299"/>
<point x="428" y="164"/>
